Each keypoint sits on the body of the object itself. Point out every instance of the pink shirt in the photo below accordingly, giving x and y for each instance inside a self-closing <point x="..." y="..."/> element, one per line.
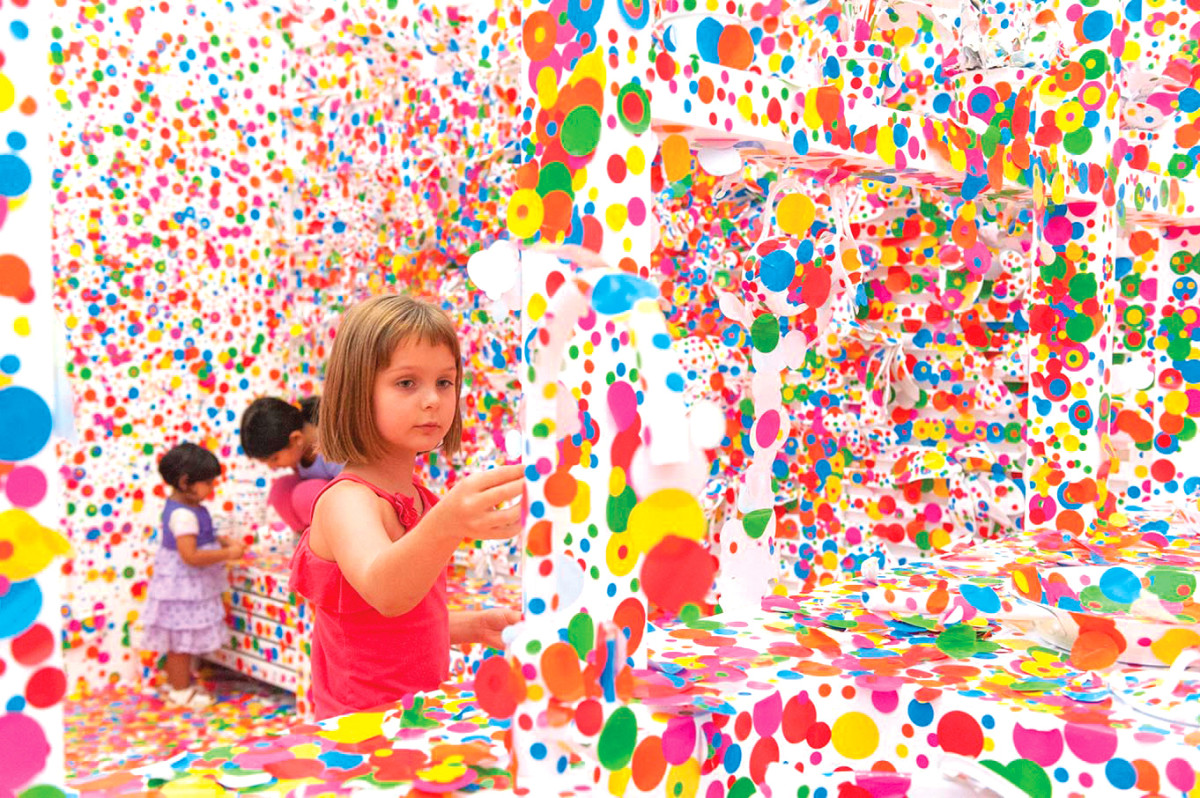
<point x="362" y="659"/>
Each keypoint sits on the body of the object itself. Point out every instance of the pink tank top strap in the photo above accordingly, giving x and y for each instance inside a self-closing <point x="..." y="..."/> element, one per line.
<point x="405" y="507"/>
<point x="353" y="478"/>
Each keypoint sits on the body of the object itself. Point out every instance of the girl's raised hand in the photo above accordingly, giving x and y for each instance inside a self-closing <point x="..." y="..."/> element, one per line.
<point x="490" y="626"/>
<point x="477" y="501"/>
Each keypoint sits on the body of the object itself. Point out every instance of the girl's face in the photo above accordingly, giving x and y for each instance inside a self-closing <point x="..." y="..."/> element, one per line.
<point x="197" y="492"/>
<point x="415" y="397"/>
<point x="290" y="455"/>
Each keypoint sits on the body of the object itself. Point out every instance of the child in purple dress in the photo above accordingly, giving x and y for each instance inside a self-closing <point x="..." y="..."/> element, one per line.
<point x="284" y="436"/>
<point x="184" y="614"/>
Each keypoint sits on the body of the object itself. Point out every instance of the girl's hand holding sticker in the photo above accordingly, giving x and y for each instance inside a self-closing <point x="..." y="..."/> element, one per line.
<point x="235" y="550"/>
<point x="485" y="627"/>
<point x="477" y="503"/>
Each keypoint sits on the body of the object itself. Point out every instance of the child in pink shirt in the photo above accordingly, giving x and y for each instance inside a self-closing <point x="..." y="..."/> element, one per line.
<point x="373" y="564"/>
<point x="284" y="436"/>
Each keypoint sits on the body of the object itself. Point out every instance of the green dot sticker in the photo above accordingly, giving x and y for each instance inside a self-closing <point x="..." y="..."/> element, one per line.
<point x="1080" y="328"/>
<point x="1078" y="142"/>
<point x="581" y="131"/>
<point x="617" y="739"/>
<point x="764" y="332"/>
<point x="1095" y="64"/>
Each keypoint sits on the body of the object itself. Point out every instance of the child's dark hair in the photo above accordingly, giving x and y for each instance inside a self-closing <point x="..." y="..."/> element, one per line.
<point x="188" y="460"/>
<point x="268" y="423"/>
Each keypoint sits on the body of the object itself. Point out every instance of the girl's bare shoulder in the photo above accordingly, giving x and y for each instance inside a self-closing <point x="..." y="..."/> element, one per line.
<point x="348" y="493"/>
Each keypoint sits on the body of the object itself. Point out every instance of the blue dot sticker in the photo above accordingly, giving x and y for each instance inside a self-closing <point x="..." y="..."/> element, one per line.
<point x="25" y="423"/>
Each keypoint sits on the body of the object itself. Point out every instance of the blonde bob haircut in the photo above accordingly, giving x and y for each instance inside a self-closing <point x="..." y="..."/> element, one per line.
<point x="368" y="335"/>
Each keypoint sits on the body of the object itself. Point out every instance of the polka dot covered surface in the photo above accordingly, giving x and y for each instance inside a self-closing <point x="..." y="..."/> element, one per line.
<point x="124" y="726"/>
<point x="1040" y="126"/>
<point x="818" y="687"/>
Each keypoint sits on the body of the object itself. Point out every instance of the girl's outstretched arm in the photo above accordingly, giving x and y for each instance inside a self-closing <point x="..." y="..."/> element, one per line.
<point x="350" y="528"/>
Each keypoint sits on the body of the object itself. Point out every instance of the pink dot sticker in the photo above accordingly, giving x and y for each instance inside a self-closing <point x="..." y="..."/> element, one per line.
<point x="25" y="748"/>
<point x="768" y="429"/>
<point x="767" y="714"/>
<point x="637" y="212"/>
<point x="1091" y="743"/>
<point x="1042" y="747"/>
<point x="25" y="486"/>
<point x="1058" y="231"/>
<point x="622" y="403"/>
<point x="1181" y="775"/>
<point x="679" y="740"/>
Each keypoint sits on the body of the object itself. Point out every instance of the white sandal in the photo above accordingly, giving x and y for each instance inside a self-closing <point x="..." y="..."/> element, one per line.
<point x="189" y="698"/>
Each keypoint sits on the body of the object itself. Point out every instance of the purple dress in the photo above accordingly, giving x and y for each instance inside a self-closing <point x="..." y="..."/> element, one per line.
<point x="184" y="613"/>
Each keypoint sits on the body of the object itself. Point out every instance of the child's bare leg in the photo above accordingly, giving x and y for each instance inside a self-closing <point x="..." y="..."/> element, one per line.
<point x="179" y="670"/>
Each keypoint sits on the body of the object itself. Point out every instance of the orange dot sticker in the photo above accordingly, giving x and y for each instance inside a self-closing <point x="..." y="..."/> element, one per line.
<point x="1093" y="650"/>
<point x="15" y="279"/>
<point x="538" y="35"/>
<point x="735" y="48"/>
<point x="964" y="232"/>
<point x="561" y="671"/>
<point x="630" y="618"/>
<point x="537" y="544"/>
<point x="649" y="765"/>
<point x="560" y="489"/>
<point x="676" y="158"/>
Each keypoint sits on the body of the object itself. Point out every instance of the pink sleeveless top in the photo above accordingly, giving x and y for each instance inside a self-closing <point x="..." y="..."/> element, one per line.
<point x="360" y="658"/>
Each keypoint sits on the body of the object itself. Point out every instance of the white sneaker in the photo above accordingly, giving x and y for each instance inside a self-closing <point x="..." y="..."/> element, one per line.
<point x="189" y="698"/>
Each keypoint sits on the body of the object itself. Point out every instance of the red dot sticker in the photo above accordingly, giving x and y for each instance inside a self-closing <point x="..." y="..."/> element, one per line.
<point x="1163" y="470"/>
<point x="589" y="717"/>
<point x="959" y="733"/>
<point x="34" y="646"/>
<point x="798" y="718"/>
<point x="630" y="618"/>
<point x="46" y="688"/>
<point x="818" y="735"/>
<point x="295" y="768"/>
<point x="765" y="751"/>
<point x="493" y="688"/>
<point x="677" y="571"/>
